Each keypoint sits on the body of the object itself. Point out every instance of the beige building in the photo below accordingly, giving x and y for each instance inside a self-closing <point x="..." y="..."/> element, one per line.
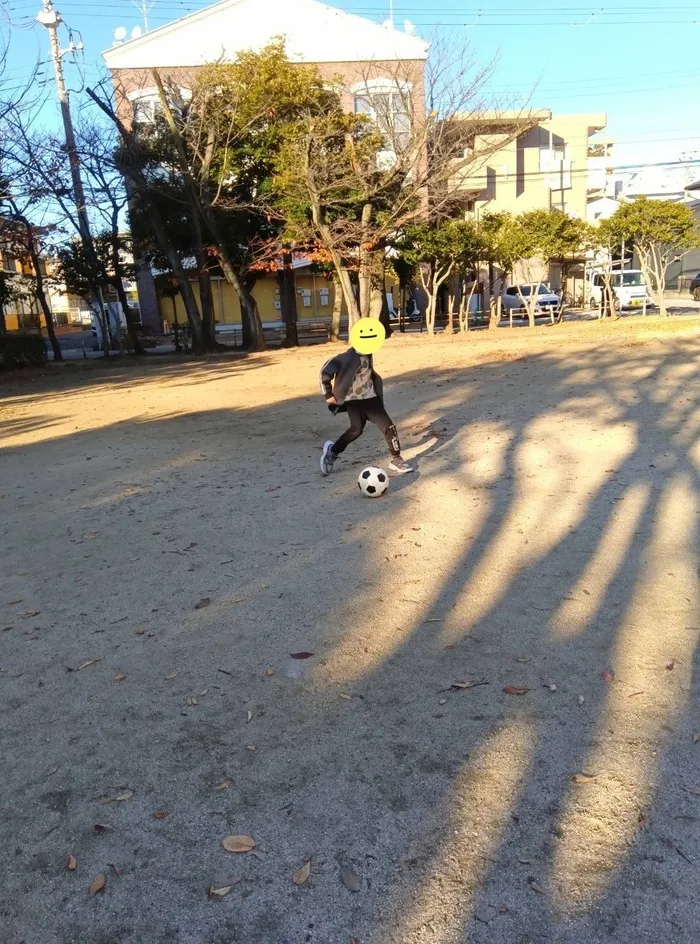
<point x="555" y="162"/>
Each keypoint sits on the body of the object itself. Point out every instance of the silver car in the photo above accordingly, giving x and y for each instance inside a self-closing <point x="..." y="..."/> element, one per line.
<point x="517" y="297"/>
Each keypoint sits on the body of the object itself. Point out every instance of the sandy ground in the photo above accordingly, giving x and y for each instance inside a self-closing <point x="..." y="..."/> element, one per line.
<point x="548" y="542"/>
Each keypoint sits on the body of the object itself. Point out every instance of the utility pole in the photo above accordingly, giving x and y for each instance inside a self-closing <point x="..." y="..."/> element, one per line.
<point x="51" y="19"/>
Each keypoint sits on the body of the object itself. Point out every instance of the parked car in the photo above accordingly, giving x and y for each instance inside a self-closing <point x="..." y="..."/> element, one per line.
<point x="630" y="289"/>
<point x="695" y="288"/>
<point x="516" y="298"/>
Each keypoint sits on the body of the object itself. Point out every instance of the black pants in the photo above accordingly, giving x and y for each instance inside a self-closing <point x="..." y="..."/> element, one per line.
<point x="359" y="411"/>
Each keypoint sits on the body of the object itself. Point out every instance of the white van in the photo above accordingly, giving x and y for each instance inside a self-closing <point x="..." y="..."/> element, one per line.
<point x="629" y="288"/>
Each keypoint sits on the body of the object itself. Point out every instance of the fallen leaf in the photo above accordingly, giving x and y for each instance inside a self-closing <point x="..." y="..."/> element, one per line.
<point x="203" y="693"/>
<point x="354" y="940"/>
<point x="72" y="863"/>
<point x="122" y="797"/>
<point x="205" y="601"/>
<point x="140" y="632"/>
<point x="85" y="665"/>
<point x="302" y="875"/>
<point x="98" y="885"/>
<point x="250" y="716"/>
<point x="102" y="828"/>
<point x="219" y="892"/>
<point x="607" y="676"/>
<point x="31" y="613"/>
<point x="172" y="675"/>
<point x="224" y="785"/>
<point x="516" y="690"/>
<point x="582" y="778"/>
<point x="119" y="678"/>
<point x="269" y="672"/>
<point x="113" y="867"/>
<point x="344" y="696"/>
<point x="523" y="660"/>
<point x="300" y="655"/>
<point x="192" y="701"/>
<point x="89" y="535"/>
<point x="671" y="666"/>
<point x="537" y="888"/>
<point x="251" y="747"/>
<point x="694" y="790"/>
<point x="525" y="861"/>
<point x="581" y="699"/>
<point x="239" y="844"/>
<point x="696" y="737"/>
<point x="160" y="814"/>
<point x="350" y="880"/>
<point x="14" y="602"/>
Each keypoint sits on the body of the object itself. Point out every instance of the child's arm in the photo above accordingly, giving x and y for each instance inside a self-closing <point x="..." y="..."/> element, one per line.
<point x="328" y="372"/>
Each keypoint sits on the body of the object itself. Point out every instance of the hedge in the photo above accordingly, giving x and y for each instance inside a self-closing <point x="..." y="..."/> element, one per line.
<point x="21" y="349"/>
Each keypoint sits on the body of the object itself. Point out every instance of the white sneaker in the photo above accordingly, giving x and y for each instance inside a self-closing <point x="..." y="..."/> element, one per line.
<point x="327" y="457"/>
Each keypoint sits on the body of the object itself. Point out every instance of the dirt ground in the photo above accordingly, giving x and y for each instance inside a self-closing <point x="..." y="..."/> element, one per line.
<point x="547" y="546"/>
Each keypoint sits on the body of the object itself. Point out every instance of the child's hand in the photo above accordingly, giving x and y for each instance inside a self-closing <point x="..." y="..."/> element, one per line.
<point x="331" y="401"/>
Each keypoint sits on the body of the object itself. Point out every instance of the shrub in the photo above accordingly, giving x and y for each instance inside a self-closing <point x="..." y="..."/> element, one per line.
<point x="21" y="349"/>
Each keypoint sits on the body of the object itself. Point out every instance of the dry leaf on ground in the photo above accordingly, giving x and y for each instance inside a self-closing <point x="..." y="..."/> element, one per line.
<point x="302" y="875"/>
<point x="516" y="690"/>
<point x="671" y="666"/>
<point x="98" y="885"/>
<point x="219" y="892"/>
<point x="300" y="655"/>
<point x="269" y="672"/>
<point x="72" y="863"/>
<point x="354" y="940"/>
<point x="119" y="678"/>
<point x="694" y="790"/>
<point x="696" y="737"/>
<point x="224" y="785"/>
<point x="172" y="675"/>
<point x="122" y="797"/>
<point x="85" y="665"/>
<point x="160" y="814"/>
<point x="537" y="888"/>
<point x="350" y="880"/>
<point x="239" y="844"/>
<point x="89" y="535"/>
<point x="607" y="676"/>
<point x="103" y="828"/>
<point x="31" y="613"/>
<point x="205" y="601"/>
<point x="582" y="778"/>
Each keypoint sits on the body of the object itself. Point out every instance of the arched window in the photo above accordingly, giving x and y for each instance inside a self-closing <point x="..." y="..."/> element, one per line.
<point x="387" y="103"/>
<point x="147" y="106"/>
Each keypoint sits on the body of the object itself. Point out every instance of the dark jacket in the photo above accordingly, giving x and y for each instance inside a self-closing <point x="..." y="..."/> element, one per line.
<point x="337" y="375"/>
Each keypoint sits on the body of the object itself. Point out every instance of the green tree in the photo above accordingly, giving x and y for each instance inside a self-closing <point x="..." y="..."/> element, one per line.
<point x="660" y="231"/>
<point x="438" y="252"/>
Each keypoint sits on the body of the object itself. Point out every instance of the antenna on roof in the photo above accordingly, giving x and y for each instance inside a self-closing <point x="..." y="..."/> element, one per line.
<point x="144" y="7"/>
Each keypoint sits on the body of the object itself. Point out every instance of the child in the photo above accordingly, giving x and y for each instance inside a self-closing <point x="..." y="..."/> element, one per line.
<point x="350" y="385"/>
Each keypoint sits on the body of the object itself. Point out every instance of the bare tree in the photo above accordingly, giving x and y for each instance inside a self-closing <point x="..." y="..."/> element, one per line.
<point x="354" y="180"/>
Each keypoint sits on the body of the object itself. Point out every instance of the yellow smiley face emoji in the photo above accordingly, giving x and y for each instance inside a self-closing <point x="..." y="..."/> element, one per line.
<point x="367" y="335"/>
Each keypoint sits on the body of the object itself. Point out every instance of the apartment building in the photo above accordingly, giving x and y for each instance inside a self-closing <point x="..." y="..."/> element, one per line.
<point x="546" y="161"/>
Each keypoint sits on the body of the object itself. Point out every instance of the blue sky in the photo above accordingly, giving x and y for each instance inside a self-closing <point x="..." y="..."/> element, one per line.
<point x="635" y="63"/>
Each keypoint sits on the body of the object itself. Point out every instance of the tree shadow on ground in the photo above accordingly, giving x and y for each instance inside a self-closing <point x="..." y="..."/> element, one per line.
<point x="545" y="543"/>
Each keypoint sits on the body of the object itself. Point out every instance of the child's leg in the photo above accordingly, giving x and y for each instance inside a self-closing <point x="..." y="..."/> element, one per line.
<point x="357" y="424"/>
<point x="377" y="414"/>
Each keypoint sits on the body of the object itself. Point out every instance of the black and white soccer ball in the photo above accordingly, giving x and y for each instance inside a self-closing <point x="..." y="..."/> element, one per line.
<point x="373" y="482"/>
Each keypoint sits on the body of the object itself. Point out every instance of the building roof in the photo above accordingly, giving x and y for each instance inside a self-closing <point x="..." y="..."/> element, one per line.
<point x="313" y="31"/>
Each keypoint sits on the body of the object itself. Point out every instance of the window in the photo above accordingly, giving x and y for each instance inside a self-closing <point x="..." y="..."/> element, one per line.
<point x="512" y="291"/>
<point x="146" y="110"/>
<point x="633" y="278"/>
<point x="389" y="107"/>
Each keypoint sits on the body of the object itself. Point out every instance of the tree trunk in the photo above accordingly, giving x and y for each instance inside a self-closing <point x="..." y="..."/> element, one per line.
<point x="288" y="300"/>
<point x="3" y="323"/>
<point x="206" y="301"/>
<point x="131" y="323"/>
<point x="337" y="310"/>
<point x="45" y="307"/>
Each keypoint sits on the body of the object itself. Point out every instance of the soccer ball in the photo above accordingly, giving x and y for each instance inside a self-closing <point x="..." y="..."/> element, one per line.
<point x="373" y="482"/>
